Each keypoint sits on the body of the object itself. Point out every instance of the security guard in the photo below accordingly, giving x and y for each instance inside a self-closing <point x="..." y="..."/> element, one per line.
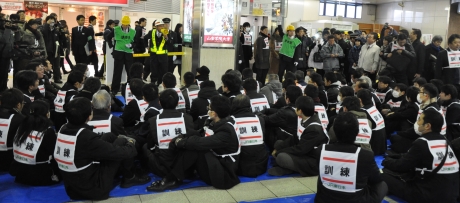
<point x="172" y="46"/>
<point x="123" y="52"/>
<point x="159" y="42"/>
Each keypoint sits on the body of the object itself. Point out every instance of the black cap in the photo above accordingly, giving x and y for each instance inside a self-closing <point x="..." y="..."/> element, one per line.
<point x="203" y="70"/>
<point x="166" y="20"/>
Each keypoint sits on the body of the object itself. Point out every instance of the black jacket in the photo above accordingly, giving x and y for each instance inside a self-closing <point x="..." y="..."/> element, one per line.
<point x="367" y="174"/>
<point x="50" y="37"/>
<point x="145" y="128"/>
<point x="262" y="52"/>
<point x="410" y="133"/>
<point x="332" y="93"/>
<point x="302" y="50"/>
<point x="247" y="49"/>
<point x="91" y="40"/>
<point x="447" y="75"/>
<point x="323" y="97"/>
<point x="139" y="44"/>
<point x="439" y="187"/>
<point x="418" y="63"/>
<point x="116" y="124"/>
<point x="400" y="62"/>
<point x="346" y="51"/>
<point x="131" y="114"/>
<point x="378" y="140"/>
<point x="200" y="106"/>
<point x="85" y="94"/>
<point x="302" y="150"/>
<point x="284" y="118"/>
<point x="452" y="118"/>
<point x="92" y="182"/>
<point x="408" y="112"/>
<point x="6" y="157"/>
<point x="79" y="40"/>
<point x="431" y="55"/>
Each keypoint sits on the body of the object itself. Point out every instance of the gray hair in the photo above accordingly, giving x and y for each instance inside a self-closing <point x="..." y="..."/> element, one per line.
<point x="236" y="73"/>
<point x="101" y="100"/>
<point x="273" y="77"/>
<point x="437" y="38"/>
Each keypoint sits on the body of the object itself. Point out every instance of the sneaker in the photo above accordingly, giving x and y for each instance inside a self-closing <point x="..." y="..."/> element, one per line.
<point x="136" y="180"/>
<point x="279" y="171"/>
<point x="162" y="185"/>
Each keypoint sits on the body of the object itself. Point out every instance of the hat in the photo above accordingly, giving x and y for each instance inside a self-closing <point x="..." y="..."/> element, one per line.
<point x="203" y="70"/>
<point x="33" y="22"/>
<point x="159" y="22"/>
<point x="290" y="28"/>
<point x="125" y="20"/>
<point x="116" y="22"/>
<point x="166" y="20"/>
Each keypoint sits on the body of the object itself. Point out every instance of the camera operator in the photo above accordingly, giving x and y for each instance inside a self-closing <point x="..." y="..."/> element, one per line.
<point x="65" y="35"/>
<point x="52" y="38"/>
<point x="22" y="19"/>
<point x="30" y="44"/>
<point x="7" y="30"/>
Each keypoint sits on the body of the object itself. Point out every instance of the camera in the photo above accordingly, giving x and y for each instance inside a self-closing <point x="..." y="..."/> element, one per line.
<point x="385" y="26"/>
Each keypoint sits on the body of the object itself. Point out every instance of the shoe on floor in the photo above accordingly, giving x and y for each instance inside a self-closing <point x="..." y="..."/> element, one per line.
<point x="58" y="81"/>
<point x="162" y="185"/>
<point x="136" y="180"/>
<point x="279" y="171"/>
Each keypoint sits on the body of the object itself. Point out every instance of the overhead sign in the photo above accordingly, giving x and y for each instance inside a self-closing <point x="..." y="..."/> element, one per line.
<point x="35" y="9"/>
<point x="12" y="6"/>
<point x="123" y="3"/>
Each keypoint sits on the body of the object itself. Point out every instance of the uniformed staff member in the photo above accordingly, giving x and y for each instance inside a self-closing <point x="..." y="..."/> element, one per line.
<point x="103" y="121"/>
<point x="89" y="162"/>
<point x="215" y="156"/>
<point x="158" y="45"/>
<point x="254" y="155"/>
<point x="164" y="127"/>
<point x="246" y="42"/>
<point x="355" y="180"/>
<point x="172" y="45"/>
<point x="123" y="36"/>
<point x="431" y="163"/>
<point x="288" y="55"/>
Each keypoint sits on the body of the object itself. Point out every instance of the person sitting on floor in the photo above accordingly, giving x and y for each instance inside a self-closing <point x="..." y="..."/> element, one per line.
<point x="300" y="79"/>
<point x="231" y="85"/>
<point x="273" y="89"/>
<point x="27" y="82"/>
<point x="317" y="80"/>
<point x="74" y="83"/>
<point x="190" y="90"/>
<point x="405" y="116"/>
<point x="215" y="157"/>
<point x="163" y="127"/>
<point x="397" y="98"/>
<point x="384" y="90"/>
<point x="103" y="121"/>
<point x="91" y="86"/>
<point x="34" y="147"/>
<point x="362" y="84"/>
<point x="419" y="82"/>
<point x="135" y="110"/>
<point x="254" y="155"/>
<point x="169" y="82"/>
<point x="89" y="162"/>
<point x="451" y="110"/>
<point x="12" y="102"/>
<point x="332" y="88"/>
<point x="344" y="92"/>
<point x="312" y="92"/>
<point x="356" y="180"/>
<point x="430" y="165"/>
<point x="296" y="153"/>
<point x="135" y="72"/>
<point x="40" y="92"/>
<point x="202" y="74"/>
<point x="281" y="102"/>
<point x="150" y="95"/>
<point x="199" y="110"/>
<point x="249" y="74"/>
<point x="258" y="101"/>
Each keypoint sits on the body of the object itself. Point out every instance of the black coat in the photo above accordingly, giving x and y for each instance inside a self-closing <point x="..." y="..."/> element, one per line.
<point x="145" y="128"/>
<point x="200" y="106"/>
<point x="131" y="114"/>
<point x="302" y="50"/>
<point x="418" y="63"/>
<point x="6" y="157"/>
<point x="431" y="55"/>
<point x="85" y="94"/>
<point x="262" y="52"/>
<point x="452" y="119"/>
<point x="51" y="37"/>
<point x="91" y="40"/>
<point x="79" y="40"/>
<point x="116" y="124"/>
<point x="284" y="118"/>
<point x="410" y="133"/>
<point x="247" y="49"/>
<point x="139" y="45"/>
<point x="447" y="75"/>
<point x="254" y="158"/>
<point x="367" y="174"/>
<point x="400" y="62"/>
<point x="302" y="151"/>
<point x="438" y="188"/>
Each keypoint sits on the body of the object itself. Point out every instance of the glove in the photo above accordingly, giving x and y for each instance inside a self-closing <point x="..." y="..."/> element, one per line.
<point x="129" y="46"/>
<point x="296" y="63"/>
<point x="240" y="62"/>
<point x="174" y="58"/>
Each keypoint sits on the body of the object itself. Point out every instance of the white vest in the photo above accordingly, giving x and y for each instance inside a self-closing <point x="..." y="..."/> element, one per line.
<point x="181" y="104"/>
<point x="26" y="153"/>
<point x="444" y="126"/>
<point x="338" y="170"/>
<point x="210" y="132"/>
<point x="322" y="115"/>
<point x="143" y="105"/>
<point x="300" y="128"/>
<point x="275" y="98"/>
<point x="278" y="45"/>
<point x="128" y="94"/>
<point x="338" y="107"/>
<point x="102" y="126"/>
<point x="192" y="95"/>
<point x="267" y="43"/>
<point x="4" y="129"/>
<point x="438" y="149"/>
<point x="247" y="39"/>
<point x="60" y="101"/>
<point x="259" y="104"/>
<point x="444" y="109"/>
<point x="381" y="95"/>
<point x="32" y="98"/>
<point x="168" y="129"/>
<point x="42" y="90"/>
<point x="64" y="152"/>
<point x="250" y="130"/>
<point x="394" y="104"/>
<point x="376" y="117"/>
<point x="365" y="132"/>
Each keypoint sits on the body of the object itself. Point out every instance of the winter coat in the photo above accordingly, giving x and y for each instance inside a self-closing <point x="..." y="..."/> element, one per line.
<point x="311" y="63"/>
<point x="271" y="87"/>
<point x="275" y="41"/>
<point x="418" y="63"/>
<point x="262" y="51"/>
<point x="303" y="49"/>
<point x="331" y="63"/>
<point x="33" y="44"/>
<point x="431" y="54"/>
<point x="399" y="62"/>
<point x="353" y="57"/>
<point x="448" y="75"/>
<point x="7" y="39"/>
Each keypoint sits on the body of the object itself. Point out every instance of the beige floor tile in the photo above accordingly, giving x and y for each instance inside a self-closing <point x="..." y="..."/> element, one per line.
<point x="310" y="182"/>
<point x="165" y="197"/>
<point x="286" y="187"/>
<point x="129" y="199"/>
<point x="250" y="191"/>
<point x="208" y="195"/>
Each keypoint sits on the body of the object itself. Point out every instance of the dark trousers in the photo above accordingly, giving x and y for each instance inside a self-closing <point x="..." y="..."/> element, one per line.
<point x="261" y="75"/>
<point x="102" y="68"/>
<point x="400" y="77"/>
<point x="245" y="64"/>
<point x="56" y="67"/>
<point x="400" y="144"/>
<point x="92" y="59"/>
<point x="158" y="67"/>
<point x="4" y="69"/>
<point x="287" y="66"/>
<point x="147" y="64"/>
<point x="81" y="58"/>
<point x="122" y="59"/>
<point x="396" y="187"/>
<point x="20" y="65"/>
<point x="67" y="58"/>
<point x="189" y="160"/>
<point x="371" y="76"/>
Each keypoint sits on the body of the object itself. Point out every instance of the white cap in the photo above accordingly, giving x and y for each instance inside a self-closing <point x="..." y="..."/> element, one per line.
<point x="159" y="22"/>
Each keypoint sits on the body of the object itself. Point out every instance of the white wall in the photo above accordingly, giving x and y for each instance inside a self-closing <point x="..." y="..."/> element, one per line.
<point x="429" y="16"/>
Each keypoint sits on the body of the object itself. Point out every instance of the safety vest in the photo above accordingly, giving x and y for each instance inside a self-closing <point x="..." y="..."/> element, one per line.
<point x="301" y="87"/>
<point x="4" y="129"/>
<point x="376" y="117"/>
<point x="142" y="107"/>
<point x="382" y="95"/>
<point x="210" y="132"/>
<point x="102" y="126"/>
<point x="259" y="104"/>
<point x="438" y="149"/>
<point x="444" y="126"/>
<point x="267" y="43"/>
<point x="394" y="104"/>
<point x="32" y="98"/>
<point x="250" y="130"/>
<point x="154" y="48"/>
<point x="64" y="152"/>
<point x="199" y="83"/>
<point x="444" y="109"/>
<point x="128" y="94"/>
<point x="59" y="101"/>
<point x="192" y="95"/>
<point x="123" y="38"/>
<point x="300" y="128"/>
<point x="365" y="132"/>
<point x="338" y="170"/>
<point x="26" y="152"/>
<point x="168" y="129"/>
<point x="247" y="39"/>
<point x="181" y="104"/>
<point x="275" y="98"/>
<point x="338" y="107"/>
<point x="42" y="89"/>
<point x="322" y="115"/>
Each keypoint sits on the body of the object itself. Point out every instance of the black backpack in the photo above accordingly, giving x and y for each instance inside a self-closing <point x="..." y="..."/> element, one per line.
<point x="317" y="56"/>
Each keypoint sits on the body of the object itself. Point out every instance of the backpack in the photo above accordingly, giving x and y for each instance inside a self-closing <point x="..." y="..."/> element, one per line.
<point x="317" y="56"/>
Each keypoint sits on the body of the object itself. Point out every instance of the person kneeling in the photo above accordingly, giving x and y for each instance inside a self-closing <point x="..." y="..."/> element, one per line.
<point x="347" y="173"/>
<point x="89" y="162"/>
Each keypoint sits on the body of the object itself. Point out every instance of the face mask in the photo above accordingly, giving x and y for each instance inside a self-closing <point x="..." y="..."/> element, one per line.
<point x="339" y="99"/>
<point x="416" y="129"/>
<point x="87" y="74"/>
<point x="247" y="29"/>
<point x="419" y="99"/>
<point x="291" y="37"/>
<point x="51" y="24"/>
<point x="307" y="79"/>
<point x="79" y="89"/>
<point x="395" y="94"/>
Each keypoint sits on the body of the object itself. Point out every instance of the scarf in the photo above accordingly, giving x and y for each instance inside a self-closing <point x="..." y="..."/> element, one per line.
<point x="435" y="47"/>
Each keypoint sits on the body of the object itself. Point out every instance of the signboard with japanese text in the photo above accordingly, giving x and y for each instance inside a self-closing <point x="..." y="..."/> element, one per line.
<point x="12" y="6"/>
<point x="454" y="59"/>
<point x="35" y="9"/>
<point x="188" y="21"/>
<point x="218" y="26"/>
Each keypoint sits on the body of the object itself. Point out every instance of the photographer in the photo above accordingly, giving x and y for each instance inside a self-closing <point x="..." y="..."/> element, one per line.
<point x="65" y="43"/>
<point x="22" y="19"/>
<point x="52" y="36"/>
<point x="6" y="47"/>
<point x="30" y="44"/>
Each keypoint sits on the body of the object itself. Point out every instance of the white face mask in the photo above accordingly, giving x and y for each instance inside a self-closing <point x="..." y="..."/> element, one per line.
<point x="291" y="37"/>
<point x="395" y="94"/>
<point x="339" y="99"/>
<point x="79" y="89"/>
<point x="307" y="79"/>
<point x="419" y="100"/>
<point x="248" y="29"/>
<point x="87" y="74"/>
<point x="416" y="129"/>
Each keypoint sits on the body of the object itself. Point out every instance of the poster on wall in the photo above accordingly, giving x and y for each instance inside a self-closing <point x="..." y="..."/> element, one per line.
<point x="188" y="22"/>
<point x="99" y="27"/>
<point x="426" y="38"/>
<point x="35" y="9"/>
<point x="12" y="6"/>
<point x="218" y="26"/>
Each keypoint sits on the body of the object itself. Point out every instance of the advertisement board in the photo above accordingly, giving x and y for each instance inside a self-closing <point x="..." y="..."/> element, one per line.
<point x="35" y="9"/>
<point x="218" y="23"/>
<point x="188" y="21"/>
<point x="122" y="3"/>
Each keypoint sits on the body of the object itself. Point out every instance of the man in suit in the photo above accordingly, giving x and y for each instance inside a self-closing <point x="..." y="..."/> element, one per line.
<point x="79" y="39"/>
<point x="172" y="38"/>
<point x="92" y="58"/>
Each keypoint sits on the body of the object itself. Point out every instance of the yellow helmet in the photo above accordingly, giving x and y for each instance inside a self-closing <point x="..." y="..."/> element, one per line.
<point x="290" y="27"/>
<point x="125" y="20"/>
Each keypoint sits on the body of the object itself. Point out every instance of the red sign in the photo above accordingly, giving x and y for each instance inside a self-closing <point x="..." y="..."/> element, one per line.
<point x="35" y="9"/>
<point x="218" y="39"/>
<point x="119" y="2"/>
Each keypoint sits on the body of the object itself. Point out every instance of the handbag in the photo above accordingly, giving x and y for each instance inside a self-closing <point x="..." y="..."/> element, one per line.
<point x="317" y="56"/>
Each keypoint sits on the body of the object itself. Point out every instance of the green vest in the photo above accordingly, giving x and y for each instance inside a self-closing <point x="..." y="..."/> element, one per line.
<point x="123" y="38"/>
<point x="289" y="45"/>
